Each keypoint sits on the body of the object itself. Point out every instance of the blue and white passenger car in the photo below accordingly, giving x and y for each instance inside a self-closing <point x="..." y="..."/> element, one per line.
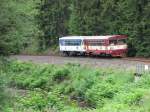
<point x="72" y="45"/>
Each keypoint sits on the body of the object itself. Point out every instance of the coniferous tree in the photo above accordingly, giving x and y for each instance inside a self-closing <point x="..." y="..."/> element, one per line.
<point x="53" y="20"/>
<point x="17" y="25"/>
<point x="97" y="17"/>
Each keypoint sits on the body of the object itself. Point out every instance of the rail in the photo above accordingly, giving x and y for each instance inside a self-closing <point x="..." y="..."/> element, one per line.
<point x="137" y="59"/>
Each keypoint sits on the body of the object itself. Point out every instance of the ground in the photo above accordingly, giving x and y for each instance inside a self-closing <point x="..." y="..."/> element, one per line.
<point x="118" y="63"/>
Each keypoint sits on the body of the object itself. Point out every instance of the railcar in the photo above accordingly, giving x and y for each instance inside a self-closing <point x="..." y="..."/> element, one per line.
<point x="72" y="45"/>
<point x="110" y="45"/>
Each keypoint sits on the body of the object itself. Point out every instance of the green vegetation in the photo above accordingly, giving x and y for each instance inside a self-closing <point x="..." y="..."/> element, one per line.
<point x="3" y="95"/>
<point x="75" y="88"/>
<point x="97" y="17"/>
<point x="18" y="28"/>
<point x="34" y="26"/>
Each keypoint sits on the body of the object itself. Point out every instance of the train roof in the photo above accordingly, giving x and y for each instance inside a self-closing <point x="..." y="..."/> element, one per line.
<point x="95" y="37"/>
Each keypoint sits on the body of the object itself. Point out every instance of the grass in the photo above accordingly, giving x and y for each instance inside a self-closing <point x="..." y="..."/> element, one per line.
<point x="74" y="88"/>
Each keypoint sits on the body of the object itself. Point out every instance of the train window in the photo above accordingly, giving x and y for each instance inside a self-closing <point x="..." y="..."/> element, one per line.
<point x="113" y="42"/>
<point x="62" y="42"/>
<point x="121" y="41"/>
<point x="71" y="42"/>
<point x="96" y="43"/>
<point x="117" y="42"/>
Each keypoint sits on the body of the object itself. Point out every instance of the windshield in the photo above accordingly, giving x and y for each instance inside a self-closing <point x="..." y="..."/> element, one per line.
<point x="117" y="42"/>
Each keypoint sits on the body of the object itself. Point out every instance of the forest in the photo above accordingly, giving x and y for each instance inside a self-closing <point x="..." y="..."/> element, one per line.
<point x="35" y="25"/>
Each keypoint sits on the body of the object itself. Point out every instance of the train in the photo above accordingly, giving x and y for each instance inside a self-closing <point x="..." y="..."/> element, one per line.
<point x="109" y="45"/>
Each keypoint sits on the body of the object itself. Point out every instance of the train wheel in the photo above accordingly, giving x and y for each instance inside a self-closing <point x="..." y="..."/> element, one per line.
<point x="82" y="53"/>
<point x="65" y="53"/>
<point x="71" y="53"/>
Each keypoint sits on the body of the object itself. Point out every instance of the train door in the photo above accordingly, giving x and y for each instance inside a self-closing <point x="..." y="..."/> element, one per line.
<point x="79" y="45"/>
<point x="85" y="45"/>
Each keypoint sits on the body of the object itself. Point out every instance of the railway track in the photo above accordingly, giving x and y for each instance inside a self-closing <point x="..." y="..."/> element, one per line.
<point x="138" y="59"/>
<point x="126" y="58"/>
<point x="102" y="62"/>
<point x="144" y="60"/>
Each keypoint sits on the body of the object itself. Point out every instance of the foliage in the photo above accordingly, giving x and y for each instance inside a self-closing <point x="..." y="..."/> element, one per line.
<point x="18" y="25"/>
<point x="2" y="92"/>
<point x="76" y="88"/>
<point x="97" y="17"/>
<point x="100" y="92"/>
<point x="35" y="100"/>
<point x="32" y="26"/>
<point x="4" y="96"/>
<point x="52" y="13"/>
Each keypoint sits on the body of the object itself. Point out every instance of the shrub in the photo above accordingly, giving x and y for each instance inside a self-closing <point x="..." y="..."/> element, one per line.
<point x="4" y="97"/>
<point x="2" y="94"/>
<point x="30" y="76"/>
<point x="35" y="100"/>
<point x="130" y="97"/>
<point x="78" y="89"/>
<point x="60" y="74"/>
<point x="115" y="107"/>
<point x="55" y="100"/>
<point x="100" y="92"/>
<point x="17" y="66"/>
<point x="144" y="82"/>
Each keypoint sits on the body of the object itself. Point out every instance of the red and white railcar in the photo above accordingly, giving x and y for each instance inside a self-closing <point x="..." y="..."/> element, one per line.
<point x="114" y="45"/>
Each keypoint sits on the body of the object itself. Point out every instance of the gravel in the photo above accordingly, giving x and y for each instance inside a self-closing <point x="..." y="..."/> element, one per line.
<point x="97" y="62"/>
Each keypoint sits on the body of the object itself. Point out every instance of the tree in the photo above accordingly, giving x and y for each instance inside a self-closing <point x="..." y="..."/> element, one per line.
<point x="17" y="25"/>
<point x="6" y="24"/>
<point x="133" y="19"/>
<point x="53" y="18"/>
<point x="97" y="17"/>
<point x="86" y="18"/>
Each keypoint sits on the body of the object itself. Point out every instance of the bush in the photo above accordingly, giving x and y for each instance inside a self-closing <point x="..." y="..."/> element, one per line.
<point x="100" y="92"/>
<point x="36" y="100"/>
<point x="2" y="94"/>
<point x="17" y="66"/>
<point x="132" y="97"/>
<point x="60" y="74"/>
<point x="78" y="89"/>
<point x="29" y="76"/>
<point x="4" y="97"/>
<point x="144" y="81"/>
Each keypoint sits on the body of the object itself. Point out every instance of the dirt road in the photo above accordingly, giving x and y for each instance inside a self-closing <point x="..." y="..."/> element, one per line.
<point x="89" y="61"/>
